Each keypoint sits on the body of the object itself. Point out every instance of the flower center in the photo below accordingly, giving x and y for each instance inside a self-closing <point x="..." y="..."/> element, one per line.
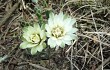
<point x="35" y="38"/>
<point x="57" y="31"/>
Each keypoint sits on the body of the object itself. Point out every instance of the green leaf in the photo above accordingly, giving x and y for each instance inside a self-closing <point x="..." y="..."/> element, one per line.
<point x="47" y="13"/>
<point x="35" y="1"/>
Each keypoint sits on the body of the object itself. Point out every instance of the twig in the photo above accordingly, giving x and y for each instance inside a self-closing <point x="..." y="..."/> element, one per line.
<point x="4" y="19"/>
<point x="76" y="9"/>
<point x="96" y="32"/>
<point x="8" y="27"/>
<point x="31" y="64"/>
<point x="23" y="4"/>
<point x="85" y="58"/>
<point x="98" y="38"/>
<point x="83" y="7"/>
<point x="92" y="55"/>
<point x="72" y="63"/>
<point x="104" y="62"/>
<point x="81" y="48"/>
<point x="71" y="60"/>
<point x="93" y="39"/>
<point x="71" y="46"/>
<point x="4" y="4"/>
<point x="37" y="66"/>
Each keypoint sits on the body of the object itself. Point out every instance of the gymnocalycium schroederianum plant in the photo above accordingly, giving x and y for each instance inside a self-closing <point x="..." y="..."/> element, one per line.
<point x="59" y="30"/>
<point x="33" y="37"/>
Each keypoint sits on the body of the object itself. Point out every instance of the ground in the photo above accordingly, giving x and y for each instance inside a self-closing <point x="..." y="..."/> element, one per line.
<point x="90" y="52"/>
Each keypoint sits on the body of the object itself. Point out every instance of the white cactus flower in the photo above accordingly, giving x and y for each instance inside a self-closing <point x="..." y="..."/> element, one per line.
<point x="60" y="30"/>
<point x="33" y="37"/>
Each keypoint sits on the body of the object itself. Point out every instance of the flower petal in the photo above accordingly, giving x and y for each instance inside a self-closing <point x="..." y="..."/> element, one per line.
<point x="61" y="15"/>
<point x="34" y="50"/>
<point x="52" y="43"/>
<point x="25" y="29"/>
<point x="25" y="45"/>
<point x="40" y="48"/>
<point x="62" y="45"/>
<point x="68" y="42"/>
<point x="47" y="27"/>
<point x="65" y="16"/>
<point x="73" y="36"/>
<point x="58" y="19"/>
<point x="73" y="30"/>
<point x="69" y="21"/>
<point x="48" y="35"/>
<point x="37" y="28"/>
<point x="67" y="37"/>
<point x="42" y="35"/>
<point x="29" y="45"/>
<point x="73" y="21"/>
<point x="44" y="45"/>
<point x="26" y="36"/>
<point x="51" y="15"/>
<point x="70" y="37"/>
<point x="59" y="42"/>
<point x="31" y="29"/>
<point x="51" y="18"/>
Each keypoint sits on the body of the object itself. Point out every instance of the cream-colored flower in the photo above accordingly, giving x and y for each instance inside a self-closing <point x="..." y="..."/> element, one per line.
<point x="33" y="37"/>
<point x="60" y="30"/>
